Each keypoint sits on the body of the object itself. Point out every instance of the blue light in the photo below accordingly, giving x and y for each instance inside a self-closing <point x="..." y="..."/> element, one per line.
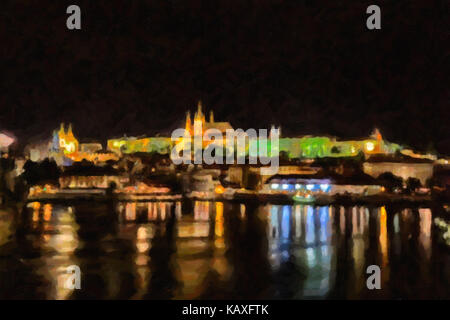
<point x="285" y="221"/>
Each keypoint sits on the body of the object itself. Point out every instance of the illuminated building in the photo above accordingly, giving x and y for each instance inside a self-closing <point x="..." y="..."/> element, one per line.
<point x="89" y="182"/>
<point x="65" y="148"/>
<point x="94" y="157"/>
<point x="196" y="130"/>
<point x="161" y="145"/>
<point x="38" y="151"/>
<point x="65" y="141"/>
<point x="320" y="147"/>
<point x="412" y="154"/>
<point x="306" y="147"/>
<point x="91" y="147"/>
<point x="201" y="123"/>
<point x="421" y="169"/>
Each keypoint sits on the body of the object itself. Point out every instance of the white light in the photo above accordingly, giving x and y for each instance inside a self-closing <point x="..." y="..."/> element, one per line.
<point x="274" y="185"/>
<point x="285" y="186"/>
<point x="297" y="186"/>
<point x="309" y="186"/>
<point x="324" y="187"/>
<point x="370" y="146"/>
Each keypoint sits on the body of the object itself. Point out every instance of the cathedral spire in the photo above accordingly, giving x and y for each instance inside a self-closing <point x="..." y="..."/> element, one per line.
<point x="199" y="107"/>
<point x="62" y="131"/>
<point x="69" y="130"/>
<point x="199" y="114"/>
<point x="188" y="121"/>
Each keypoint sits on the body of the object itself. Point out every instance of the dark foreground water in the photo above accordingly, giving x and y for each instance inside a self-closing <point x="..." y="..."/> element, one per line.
<point x="209" y="250"/>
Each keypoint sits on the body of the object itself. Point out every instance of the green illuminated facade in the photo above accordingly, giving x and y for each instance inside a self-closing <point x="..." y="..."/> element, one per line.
<point x="161" y="145"/>
<point x="295" y="148"/>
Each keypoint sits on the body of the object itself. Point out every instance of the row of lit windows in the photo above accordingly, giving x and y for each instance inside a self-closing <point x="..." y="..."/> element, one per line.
<point x="324" y="187"/>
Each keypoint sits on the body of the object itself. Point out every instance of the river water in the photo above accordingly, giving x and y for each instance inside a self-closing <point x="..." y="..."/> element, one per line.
<point x="221" y="250"/>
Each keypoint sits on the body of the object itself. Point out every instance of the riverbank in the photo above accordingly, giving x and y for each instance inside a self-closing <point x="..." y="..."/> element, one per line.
<point x="238" y="196"/>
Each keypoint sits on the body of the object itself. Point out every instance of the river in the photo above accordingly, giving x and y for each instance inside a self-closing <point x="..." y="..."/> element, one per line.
<point x="221" y="250"/>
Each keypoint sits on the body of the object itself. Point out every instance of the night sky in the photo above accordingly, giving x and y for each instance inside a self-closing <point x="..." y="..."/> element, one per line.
<point x="310" y="66"/>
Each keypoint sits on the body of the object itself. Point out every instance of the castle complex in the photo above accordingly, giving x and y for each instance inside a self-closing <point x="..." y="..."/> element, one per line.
<point x="66" y="148"/>
<point x="296" y="147"/>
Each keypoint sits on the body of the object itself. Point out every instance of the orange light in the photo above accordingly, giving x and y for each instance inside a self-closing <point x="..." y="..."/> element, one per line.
<point x="219" y="189"/>
<point x="47" y="212"/>
<point x="383" y="236"/>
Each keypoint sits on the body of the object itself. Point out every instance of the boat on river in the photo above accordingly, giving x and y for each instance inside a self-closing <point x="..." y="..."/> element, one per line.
<point x="303" y="197"/>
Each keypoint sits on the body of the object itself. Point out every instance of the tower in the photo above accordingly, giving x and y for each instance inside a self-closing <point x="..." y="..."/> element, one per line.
<point x="71" y="141"/>
<point x="188" y="122"/>
<point x="211" y="117"/>
<point x="69" y="133"/>
<point x="55" y="141"/>
<point x="199" y="119"/>
<point x="199" y="116"/>
<point x="62" y="136"/>
<point x="69" y="130"/>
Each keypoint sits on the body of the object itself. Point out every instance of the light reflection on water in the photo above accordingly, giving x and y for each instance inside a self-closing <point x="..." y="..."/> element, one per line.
<point x="217" y="250"/>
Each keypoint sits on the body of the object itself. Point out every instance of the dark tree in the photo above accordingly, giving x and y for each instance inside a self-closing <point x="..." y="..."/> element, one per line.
<point x="390" y="181"/>
<point x="46" y="171"/>
<point x="412" y="184"/>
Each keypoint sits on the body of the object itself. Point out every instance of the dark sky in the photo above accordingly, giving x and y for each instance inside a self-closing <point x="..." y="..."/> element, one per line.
<point x="310" y="66"/>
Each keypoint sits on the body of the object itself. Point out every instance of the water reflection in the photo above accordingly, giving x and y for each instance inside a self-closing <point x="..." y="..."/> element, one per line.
<point x="215" y="250"/>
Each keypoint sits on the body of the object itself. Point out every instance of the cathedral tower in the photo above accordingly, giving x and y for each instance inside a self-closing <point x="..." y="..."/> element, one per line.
<point x="188" y="122"/>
